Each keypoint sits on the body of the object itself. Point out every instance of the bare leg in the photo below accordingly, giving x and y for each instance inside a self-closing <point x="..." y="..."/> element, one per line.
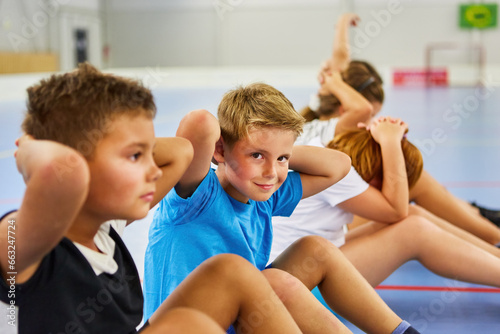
<point x="463" y="234"/>
<point x="317" y="262"/>
<point x="227" y="288"/>
<point x="431" y="195"/>
<point x="184" y="321"/>
<point x="379" y="254"/>
<point x="305" y="308"/>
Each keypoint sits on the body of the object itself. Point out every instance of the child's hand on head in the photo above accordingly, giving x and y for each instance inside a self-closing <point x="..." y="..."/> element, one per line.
<point x="23" y="138"/>
<point x="19" y="141"/>
<point x="323" y="71"/>
<point x="386" y="127"/>
<point x="327" y="78"/>
<point x="22" y="154"/>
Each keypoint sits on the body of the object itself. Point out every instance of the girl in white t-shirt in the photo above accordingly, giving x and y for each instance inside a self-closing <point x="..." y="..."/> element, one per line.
<point x="392" y="237"/>
<point x="351" y="92"/>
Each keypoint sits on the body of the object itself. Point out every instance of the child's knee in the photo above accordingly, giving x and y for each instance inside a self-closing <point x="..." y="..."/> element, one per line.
<point x="230" y="267"/>
<point x="415" y="226"/>
<point x="316" y="247"/>
<point x="283" y="283"/>
<point x="309" y="257"/>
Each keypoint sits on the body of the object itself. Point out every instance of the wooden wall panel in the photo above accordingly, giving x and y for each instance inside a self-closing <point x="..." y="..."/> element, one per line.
<point x="28" y="62"/>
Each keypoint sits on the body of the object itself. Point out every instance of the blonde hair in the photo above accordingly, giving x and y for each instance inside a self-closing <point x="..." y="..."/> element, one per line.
<point x="75" y="108"/>
<point x="366" y="155"/>
<point x="255" y="106"/>
<point x="356" y="75"/>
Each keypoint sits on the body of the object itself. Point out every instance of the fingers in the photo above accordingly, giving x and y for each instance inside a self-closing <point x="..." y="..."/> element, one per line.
<point x="25" y="137"/>
<point x="323" y="71"/>
<point x="389" y="119"/>
<point x="350" y="19"/>
<point x="385" y="126"/>
<point x="354" y="20"/>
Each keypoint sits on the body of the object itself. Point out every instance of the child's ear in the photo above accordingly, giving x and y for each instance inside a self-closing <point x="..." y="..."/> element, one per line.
<point x="219" y="151"/>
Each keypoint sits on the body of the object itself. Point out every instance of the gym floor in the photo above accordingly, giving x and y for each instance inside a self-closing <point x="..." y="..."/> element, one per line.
<point x="456" y="128"/>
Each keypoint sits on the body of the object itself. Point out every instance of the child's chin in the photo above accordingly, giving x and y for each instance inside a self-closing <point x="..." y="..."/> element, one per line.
<point x="261" y="197"/>
<point x="139" y="214"/>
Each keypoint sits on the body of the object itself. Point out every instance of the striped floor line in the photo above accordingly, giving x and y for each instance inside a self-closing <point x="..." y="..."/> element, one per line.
<point x="437" y="288"/>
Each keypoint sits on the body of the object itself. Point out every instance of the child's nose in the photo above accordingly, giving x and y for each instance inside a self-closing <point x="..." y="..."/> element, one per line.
<point x="270" y="170"/>
<point x="155" y="173"/>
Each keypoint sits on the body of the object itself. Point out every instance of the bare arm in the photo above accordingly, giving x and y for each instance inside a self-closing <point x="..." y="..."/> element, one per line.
<point x="390" y="204"/>
<point x="354" y="107"/>
<point x="341" y="55"/>
<point x="202" y="129"/>
<point x="57" y="179"/>
<point x="173" y="155"/>
<point x="319" y="167"/>
<point x="373" y="205"/>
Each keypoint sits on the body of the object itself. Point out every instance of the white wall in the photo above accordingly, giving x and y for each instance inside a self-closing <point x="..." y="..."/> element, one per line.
<point x="280" y="32"/>
<point x="166" y="33"/>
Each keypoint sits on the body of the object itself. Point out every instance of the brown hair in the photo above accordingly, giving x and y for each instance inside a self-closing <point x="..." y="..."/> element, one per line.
<point x="366" y="155"/>
<point x="256" y="105"/>
<point x="355" y="76"/>
<point x="76" y="108"/>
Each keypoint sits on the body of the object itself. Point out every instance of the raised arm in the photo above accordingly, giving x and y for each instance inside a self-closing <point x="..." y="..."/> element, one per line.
<point x="341" y="55"/>
<point x="390" y="203"/>
<point x="319" y="167"/>
<point x="202" y="129"/>
<point x="57" y="180"/>
<point x="354" y="107"/>
<point x="173" y="155"/>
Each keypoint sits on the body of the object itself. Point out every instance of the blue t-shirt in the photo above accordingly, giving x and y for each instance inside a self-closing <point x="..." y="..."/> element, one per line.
<point x="186" y="232"/>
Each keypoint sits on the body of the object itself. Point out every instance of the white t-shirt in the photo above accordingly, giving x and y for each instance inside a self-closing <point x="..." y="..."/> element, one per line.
<point x="103" y="261"/>
<point x="316" y="128"/>
<point x="318" y="214"/>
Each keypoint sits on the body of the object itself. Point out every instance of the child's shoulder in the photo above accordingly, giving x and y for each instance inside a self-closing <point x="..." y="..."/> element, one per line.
<point x="179" y="209"/>
<point x="286" y="198"/>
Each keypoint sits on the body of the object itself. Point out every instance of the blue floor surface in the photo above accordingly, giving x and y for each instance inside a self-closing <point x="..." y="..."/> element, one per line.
<point x="458" y="132"/>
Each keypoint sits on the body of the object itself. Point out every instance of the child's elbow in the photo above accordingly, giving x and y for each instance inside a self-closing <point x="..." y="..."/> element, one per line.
<point x="397" y="215"/>
<point x="67" y="174"/>
<point x="339" y="166"/>
<point x="401" y="214"/>
<point x="201" y="119"/>
<point x="199" y="123"/>
<point x="344" y="164"/>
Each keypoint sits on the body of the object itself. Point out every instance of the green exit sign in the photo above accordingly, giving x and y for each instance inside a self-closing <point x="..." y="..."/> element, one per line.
<point x="480" y="15"/>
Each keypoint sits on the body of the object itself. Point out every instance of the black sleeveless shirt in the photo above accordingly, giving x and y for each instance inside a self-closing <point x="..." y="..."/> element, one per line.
<point x="66" y="296"/>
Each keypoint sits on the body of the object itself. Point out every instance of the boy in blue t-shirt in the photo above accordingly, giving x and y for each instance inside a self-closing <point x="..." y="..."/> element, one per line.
<point x="229" y="210"/>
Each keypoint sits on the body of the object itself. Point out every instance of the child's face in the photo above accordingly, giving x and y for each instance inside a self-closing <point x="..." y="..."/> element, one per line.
<point x="122" y="171"/>
<point x="256" y="166"/>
